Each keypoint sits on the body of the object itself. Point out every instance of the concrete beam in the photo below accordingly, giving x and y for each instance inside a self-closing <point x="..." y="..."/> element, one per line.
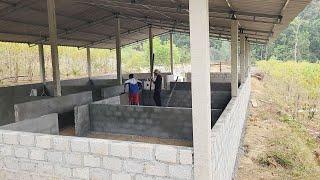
<point x="242" y="58"/>
<point x="118" y="51"/>
<point x="171" y="51"/>
<point x="42" y="64"/>
<point x="53" y="40"/>
<point x="234" y="58"/>
<point x="151" y="51"/>
<point x="201" y="101"/>
<point x="89" y="63"/>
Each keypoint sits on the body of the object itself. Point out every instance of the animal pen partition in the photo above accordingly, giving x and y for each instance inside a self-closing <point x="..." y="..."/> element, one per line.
<point x="211" y="118"/>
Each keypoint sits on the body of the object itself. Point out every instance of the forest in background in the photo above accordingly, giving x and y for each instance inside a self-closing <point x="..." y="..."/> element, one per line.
<point x="19" y="62"/>
<point x="299" y="42"/>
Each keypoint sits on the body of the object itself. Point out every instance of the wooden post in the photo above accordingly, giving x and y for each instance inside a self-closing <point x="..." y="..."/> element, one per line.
<point x="54" y="47"/>
<point x="201" y="94"/>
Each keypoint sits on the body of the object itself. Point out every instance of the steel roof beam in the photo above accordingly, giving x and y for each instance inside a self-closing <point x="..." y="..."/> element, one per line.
<point x="181" y="9"/>
<point x="46" y="37"/>
<point x="114" y="36"/>
<point x="14" y="6"/>
<point x="186" y="24"/>
<point x="79" y="28"/>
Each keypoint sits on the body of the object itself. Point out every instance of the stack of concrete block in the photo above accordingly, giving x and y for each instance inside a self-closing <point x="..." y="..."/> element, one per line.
<point x="38" y="156"/>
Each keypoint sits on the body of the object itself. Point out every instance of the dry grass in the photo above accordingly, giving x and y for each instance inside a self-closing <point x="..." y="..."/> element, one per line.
<point x="281" y="139"/>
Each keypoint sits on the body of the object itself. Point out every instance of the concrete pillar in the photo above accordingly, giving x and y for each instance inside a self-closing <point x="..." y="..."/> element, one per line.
<point x="151" y="51"/>
<point x="242" y="58"/>
<point x="171" y="52"/>
<point x="248" y="58"/>
<point x="89" y="62"/>
<point x="118" y="51"/>
<point x="53" y="40"/>
<point x="42" y="64"/>
<point x="201" y="101"/>
<point x="234" y="58"/>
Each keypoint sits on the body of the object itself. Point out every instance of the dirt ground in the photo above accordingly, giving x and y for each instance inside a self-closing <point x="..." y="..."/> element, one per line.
<point x="153" y="140"/>
<point x="275" y="149"/>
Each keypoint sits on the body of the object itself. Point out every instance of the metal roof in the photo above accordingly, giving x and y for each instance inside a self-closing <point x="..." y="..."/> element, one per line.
<point x="91" y="23"/>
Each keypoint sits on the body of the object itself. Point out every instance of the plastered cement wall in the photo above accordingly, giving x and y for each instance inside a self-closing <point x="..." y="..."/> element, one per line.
<point x="59" y="105"/>
<point x="9" y="96"/>
<point x="39" y="156"/>
<point x="47" y="124"/>
<point x="226" y="134"/>
<point x="13" y="95"/>
<point x="82" y="120"/>
<point x="112" y="91"/>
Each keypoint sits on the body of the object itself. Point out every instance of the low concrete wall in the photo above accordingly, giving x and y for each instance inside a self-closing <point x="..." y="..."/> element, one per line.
<point x="38" y="156"/>
<point x="13" y="95"/>
<point x="112" y="91"/>
<point x="59" y="105"/>
<point x="217" y="77"/>
<point x="20" y="94"/>
<point x="82" y="120"/>
<point x="226" y="134"/>
<point x="214" y="86"/>
<point x="47" y="124"/>
<point x="173" y="123"/>
<point x="219" y="99"/>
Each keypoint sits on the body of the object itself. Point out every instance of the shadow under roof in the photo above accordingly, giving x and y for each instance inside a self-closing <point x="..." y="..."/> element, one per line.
<point x="91" y="23"/>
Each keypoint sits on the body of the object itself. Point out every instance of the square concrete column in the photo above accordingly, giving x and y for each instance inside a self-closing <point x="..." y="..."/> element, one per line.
<point x="171" y="52"/>
<point x="242" y="58"/>
<point x="201" y="95"/>
<point x="42" y="64"/>
<point x="118" y="51"/>
<point x="234" y="58"/>
<point x="53" y="40"/>
<point x="89" y="62"/>
<point x="248" y="58"/>
<point x="151" y="51"/>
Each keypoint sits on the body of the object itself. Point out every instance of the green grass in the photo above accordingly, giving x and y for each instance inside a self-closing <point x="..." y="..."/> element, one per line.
<point x="294" y="89"/>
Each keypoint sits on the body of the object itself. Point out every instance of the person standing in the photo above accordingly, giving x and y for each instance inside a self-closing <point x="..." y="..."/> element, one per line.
<point x="134" y="88"/>
<point x="157" y="87"/>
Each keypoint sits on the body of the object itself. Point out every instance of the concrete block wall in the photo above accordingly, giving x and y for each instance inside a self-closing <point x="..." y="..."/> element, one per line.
<point x="47" y="124"/>
<point x="214" y="86"/>
<point x="59" y="105"/>
<point x="175" y="123"/>
<point x="217" y="77"/>
<point x="226" y="134"/>
<point x="39" y="156"/>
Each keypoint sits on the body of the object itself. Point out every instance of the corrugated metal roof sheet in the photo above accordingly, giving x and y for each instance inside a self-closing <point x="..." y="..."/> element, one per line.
<point x="91" y="23"/>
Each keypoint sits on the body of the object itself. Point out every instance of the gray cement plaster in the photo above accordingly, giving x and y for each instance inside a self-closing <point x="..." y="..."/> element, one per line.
<point x="58" y="105"/>
<point x="82" y="120"/>
<point x="47" y="124"/>
<point x="20" y="94"/>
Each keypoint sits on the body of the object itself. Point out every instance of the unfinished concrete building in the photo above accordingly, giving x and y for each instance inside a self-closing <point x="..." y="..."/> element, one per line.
<point x="195" y="136"/>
